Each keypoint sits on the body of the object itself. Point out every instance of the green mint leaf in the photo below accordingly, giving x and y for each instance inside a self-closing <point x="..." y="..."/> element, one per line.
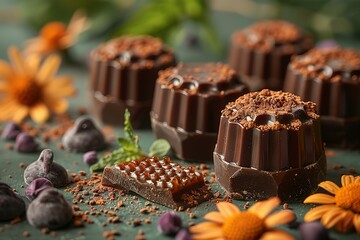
<point x="129" y="131"/>
<point x="159" y="147"/>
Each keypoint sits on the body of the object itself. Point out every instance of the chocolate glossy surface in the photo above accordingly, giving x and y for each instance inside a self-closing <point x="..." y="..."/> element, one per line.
<point x="122" y="75"/>
<point x="331" y="79"/>
<point x="187" y="106"/>
<point x="261" y="52"/>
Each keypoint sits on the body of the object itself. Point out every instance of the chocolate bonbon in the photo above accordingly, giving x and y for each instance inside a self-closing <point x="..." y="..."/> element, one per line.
<point x="123" y="75"/>
<point x="160" y="181"/>
<point x="261" y="52"/>
<point x="269" y="144"/>
<point x="187" y="105"/>
<point x="331" y="79"/>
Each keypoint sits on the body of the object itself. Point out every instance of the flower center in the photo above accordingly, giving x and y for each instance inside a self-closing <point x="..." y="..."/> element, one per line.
<point x="243" y="225"/>
<point x="53" y="31"/>
<point x="348" y="197"/>
<point x="26" y="91"/>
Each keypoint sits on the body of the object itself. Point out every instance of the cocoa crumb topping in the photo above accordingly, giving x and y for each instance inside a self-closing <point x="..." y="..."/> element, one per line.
<point x="270" y="110"/>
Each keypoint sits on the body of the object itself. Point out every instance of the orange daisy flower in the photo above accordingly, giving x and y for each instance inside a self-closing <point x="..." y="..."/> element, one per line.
<point x="341" y="209"/>
<point x="229" y="223"/>
<point x="55" y="36"/>
<point x="29" y="87"/>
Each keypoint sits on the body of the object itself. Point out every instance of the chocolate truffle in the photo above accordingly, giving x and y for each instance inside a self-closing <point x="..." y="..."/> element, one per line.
<point x="331" y="79"/>
<point x="187" y="106"/>
<point x="123" y="73"/>
<point x="269" y="144"/>
<point x="261" y="52"/>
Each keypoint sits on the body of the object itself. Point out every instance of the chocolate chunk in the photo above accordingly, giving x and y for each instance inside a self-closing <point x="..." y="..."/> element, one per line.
<point x="261" y="52"/>
<point x="187" y="104"/>
<point x="331" y="79"/>
<point x="11" y="204"/>
<point x="257" y="157"/>
<point x="160" y="181"/>
<point x="84" y="136"/>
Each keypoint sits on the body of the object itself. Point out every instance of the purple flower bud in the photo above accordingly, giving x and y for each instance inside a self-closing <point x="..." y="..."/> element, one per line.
<point x="25" y="143"/>
<point x="36" y="187"/>
<point x="90" y="158"/>
<point x="313" y="231"/>
<point x="183" y="234"/>
<point x="169" y="223"/>
<point x="327" y="44"/>
<point x="10" y="131"/>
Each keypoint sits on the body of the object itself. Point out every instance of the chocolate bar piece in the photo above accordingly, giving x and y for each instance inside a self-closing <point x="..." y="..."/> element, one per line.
<point x="160" y="181"/>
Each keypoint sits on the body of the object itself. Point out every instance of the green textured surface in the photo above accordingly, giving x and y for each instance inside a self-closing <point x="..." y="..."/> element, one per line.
<point x="11" y="173"/>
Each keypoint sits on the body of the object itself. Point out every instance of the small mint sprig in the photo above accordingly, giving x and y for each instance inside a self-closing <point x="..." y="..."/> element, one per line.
<point x="130" y="149"/>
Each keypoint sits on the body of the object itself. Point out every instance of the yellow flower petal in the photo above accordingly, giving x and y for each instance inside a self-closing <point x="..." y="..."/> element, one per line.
<point x="20" y="114"/>
<point x="346" y="224"/>
<point x="346" y="179"/>
<point x="279" y="218"/>
<point x="5" y="71"/>
<point x="317" y="212"/>
<point x="60" y="87"/>
<point x="48" y="68"/>
<point x="205" y="226"/>
<point x="227" y="209"/>
<point x="39" y="113"/>
<point x="320" y="198"/>
<point x="267" y="206"/>
<point x="211" y="233"/>
<point x="332" y="217"/>
<point x="214" y="217"/>
<point x="329" y="186"/>
<point x="59" y="106"/>
<point x="17" y="60"/>
<point x="254" y="208"/>
<point x="276" y="235"/>
<point x="356" y="222"/>
<point x="6" y="109"/>
<point x="3" y="87"/>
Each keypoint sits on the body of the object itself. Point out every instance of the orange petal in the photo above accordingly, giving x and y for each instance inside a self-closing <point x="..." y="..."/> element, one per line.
<point x="320" y="198"/>
<point x="59" y="106"/>
<point x="36" y="46"/>
<point x="357" y="179"/>
<point x="267" y="206"/>
<point x="204" y="226"/>
<point x="77" y="24"/>
<point x="329" y="186"/>
<point x="39" y="113"/>
<point x="212" y="233"/>
<point x="17" y="60"/>
<point x="346" y="179"/>
<point x="356" y="222"/>
<point x="33" y="61"/>
<point x="5" y="71"/>
<point x="215" y="217"/>
<point x="279" y="218"/>
<point x="255" y="208"/>
<point x="60" y="87"/>
<point x="3" y="87"/>
<point x="7" y="108"/>
<point x="48" y="68"/>
<point x="317" y="212"/>
<point x="332" y="217"/>
<point x="276" y="235"/>
<point x="227" y="209"/>
<point x="20" y="114"/>
<point x="346" y="224"/>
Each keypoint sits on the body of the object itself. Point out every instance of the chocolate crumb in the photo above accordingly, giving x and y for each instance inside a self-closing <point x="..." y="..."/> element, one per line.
<point x="22" y="165"/>
<point x="286" y="206"/>
<point x="45" y="230"/>
<point x="352" y="170"/>
<point x="26" y="234"/>
<point x="337" y="166"/>
<point x="16" y="220"/>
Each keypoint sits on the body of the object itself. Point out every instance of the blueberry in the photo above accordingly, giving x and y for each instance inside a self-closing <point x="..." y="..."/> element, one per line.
<point x="169" y="223"/>
<point x="26" y="143"/>
<point x="11" y="131"/>
<point x="313" y="231"/>
<point x="36" y="187"/>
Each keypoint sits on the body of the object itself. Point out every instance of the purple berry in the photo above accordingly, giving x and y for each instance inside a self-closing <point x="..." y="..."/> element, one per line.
<point x="169" y="223"/>
<point x="183" y="234"/>
<point x="90" y="158"/>
<point x="26" y="143"/>
<point x="327" y="44"/>
<point x="10" y="131"/>
<point x="313" y="231"/>
<point x="36" y="187"/>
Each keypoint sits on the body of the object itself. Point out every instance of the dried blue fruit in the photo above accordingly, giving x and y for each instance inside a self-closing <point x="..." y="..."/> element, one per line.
<point x="10" y="131"/>
<point x="313" y="231"/>
<point x="50" y="210"/>
<point x="84" y="136"/>
<point x="36" y="187"/>
<point x="11" y="204"/>
<point x="44" y="167"/>
<point x="169" y="223"/>
<point x="183" y="234"/>
<point x="90" y="158"/>
<point x="26" y="143"/>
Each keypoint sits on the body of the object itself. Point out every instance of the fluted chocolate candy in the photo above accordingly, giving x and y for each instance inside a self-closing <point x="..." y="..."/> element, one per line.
<point x="331" y="79"/>
<point x="187" y="106"/>
<point x="269" y="144"/>
<point x="261" y="52"/>
<point x="123" y="75"/>
<point x="160" y="181"/>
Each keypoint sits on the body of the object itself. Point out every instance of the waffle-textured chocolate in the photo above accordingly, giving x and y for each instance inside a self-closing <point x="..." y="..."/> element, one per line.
<point x="160" y="181"/>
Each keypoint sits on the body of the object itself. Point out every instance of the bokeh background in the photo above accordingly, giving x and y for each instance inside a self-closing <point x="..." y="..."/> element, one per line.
<point x="194" y="28"/>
